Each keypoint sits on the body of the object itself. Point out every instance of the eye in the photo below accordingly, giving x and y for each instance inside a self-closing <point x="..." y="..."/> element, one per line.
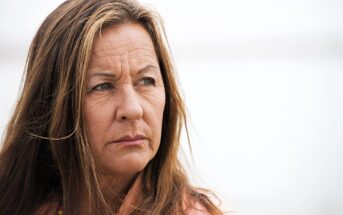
<point x="147" y="81"/>
<point x="103" y="87"/>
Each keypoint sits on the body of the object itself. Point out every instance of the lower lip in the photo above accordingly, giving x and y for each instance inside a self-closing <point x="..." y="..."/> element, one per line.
<point x="131" y="142"/>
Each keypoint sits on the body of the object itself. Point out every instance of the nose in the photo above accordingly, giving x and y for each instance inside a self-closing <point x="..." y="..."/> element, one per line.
<point x="129" y="106"/>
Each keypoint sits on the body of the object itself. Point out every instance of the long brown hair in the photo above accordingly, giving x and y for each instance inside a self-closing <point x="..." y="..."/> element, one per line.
<point x="46" y="150"/>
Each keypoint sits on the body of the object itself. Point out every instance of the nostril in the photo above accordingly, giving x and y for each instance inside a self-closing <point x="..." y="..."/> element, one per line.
<point x="129" y="106"/>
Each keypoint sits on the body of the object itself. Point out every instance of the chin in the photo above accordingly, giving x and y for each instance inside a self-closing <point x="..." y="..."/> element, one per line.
<point x="132" y="168"/>
<point x="127" y="166"/>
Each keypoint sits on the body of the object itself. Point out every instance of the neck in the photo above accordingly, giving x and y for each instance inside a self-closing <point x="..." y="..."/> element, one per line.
<point x="113" y="187"/>
<point x="115" y="190"/>
<point x="119" y="191"/>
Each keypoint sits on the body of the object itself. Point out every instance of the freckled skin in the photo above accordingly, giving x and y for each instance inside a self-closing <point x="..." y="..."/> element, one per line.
<point x="125" y="96"/>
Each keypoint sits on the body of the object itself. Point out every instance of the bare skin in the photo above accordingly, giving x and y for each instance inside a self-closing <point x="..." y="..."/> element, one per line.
<point x="124" y="104"/>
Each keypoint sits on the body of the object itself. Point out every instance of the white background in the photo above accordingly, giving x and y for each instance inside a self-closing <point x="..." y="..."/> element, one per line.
<point x="263" y="84"/>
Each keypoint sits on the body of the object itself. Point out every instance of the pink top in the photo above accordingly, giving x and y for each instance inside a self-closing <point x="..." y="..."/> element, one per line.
<point x="132" y="197"/>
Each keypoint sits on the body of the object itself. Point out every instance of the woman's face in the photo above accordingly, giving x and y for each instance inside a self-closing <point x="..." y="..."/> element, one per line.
<point x="125" y="100"/>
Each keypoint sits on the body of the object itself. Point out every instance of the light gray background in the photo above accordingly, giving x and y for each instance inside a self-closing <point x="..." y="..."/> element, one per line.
<point x="263" y="84"/>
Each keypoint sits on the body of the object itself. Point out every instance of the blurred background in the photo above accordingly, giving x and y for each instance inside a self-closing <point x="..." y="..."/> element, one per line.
<point x="263" y="84"/>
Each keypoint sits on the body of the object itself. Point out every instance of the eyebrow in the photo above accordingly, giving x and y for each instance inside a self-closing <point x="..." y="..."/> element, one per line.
<point x="104" y="74"/>
<point x="148" y="68"/>
<point x="111" y="75"/>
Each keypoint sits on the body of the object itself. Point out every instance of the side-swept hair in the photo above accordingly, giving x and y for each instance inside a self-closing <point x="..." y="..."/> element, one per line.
<point x="46" y="151"/>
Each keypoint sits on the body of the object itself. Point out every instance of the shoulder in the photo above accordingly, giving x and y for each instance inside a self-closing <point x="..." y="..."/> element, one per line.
<point x="195" y="207"/>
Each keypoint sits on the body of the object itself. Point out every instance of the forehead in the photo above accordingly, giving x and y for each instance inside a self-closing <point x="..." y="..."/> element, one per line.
<point x="126" y="47"/>
<point x="123" y="39"/>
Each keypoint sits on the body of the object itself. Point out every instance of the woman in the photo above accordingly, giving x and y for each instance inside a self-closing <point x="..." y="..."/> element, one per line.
<point x="97" y="127"/>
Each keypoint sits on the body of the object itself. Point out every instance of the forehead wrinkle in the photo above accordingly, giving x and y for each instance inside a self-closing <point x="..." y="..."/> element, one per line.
<point x="114" y="60"/>
<point x="138" y="63"/>
<point x="106" y="52"/>
<point x="107" y="64"/>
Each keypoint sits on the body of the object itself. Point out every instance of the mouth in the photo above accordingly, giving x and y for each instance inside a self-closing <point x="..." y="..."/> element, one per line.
<point x="130" y="140"/>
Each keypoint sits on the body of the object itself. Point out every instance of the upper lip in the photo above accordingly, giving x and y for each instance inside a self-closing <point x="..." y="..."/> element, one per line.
<point x="130" y="138"/>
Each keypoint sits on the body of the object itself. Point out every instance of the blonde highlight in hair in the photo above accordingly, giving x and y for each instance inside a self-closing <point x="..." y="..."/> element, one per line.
<point x="46" y="150"/>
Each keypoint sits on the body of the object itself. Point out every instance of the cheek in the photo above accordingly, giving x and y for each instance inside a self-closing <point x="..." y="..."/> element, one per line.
<point x="157" y="107"/>
<point x="98" y="121"/>
<point x="159" y="110"/>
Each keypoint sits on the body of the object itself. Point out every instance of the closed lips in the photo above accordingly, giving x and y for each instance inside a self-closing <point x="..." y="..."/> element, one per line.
<point x="131" y="139"/>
